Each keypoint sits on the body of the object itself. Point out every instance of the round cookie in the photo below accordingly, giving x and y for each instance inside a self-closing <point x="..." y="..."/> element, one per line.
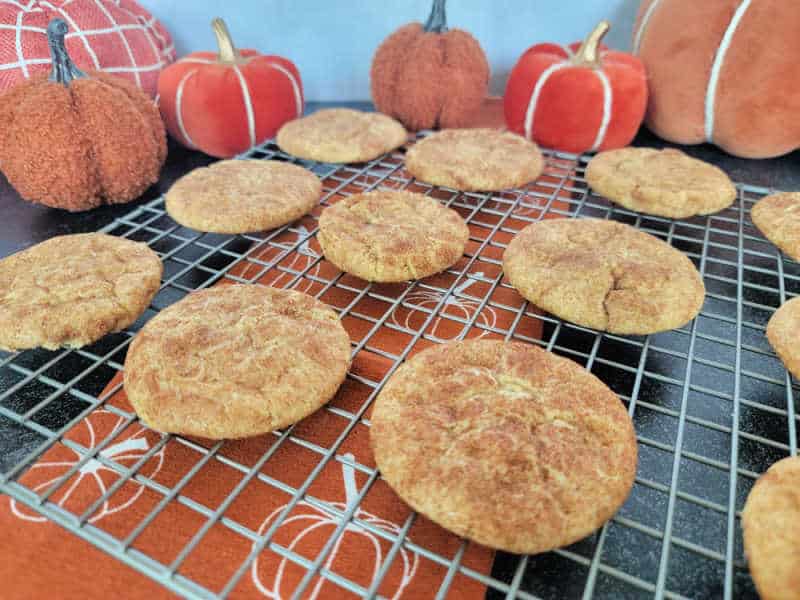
<point x="504" y="443"/>
<point x="242" y="196"/>
<point x="783" y="331"/>
<point x="666" y="183"/>
<point x="391" y="235"/>
<point x="341" y="135"/>
<point x="771" y="527"/>
<point x="71" y="290"/>
<point x="604" y="275"/>
<point x="236" y="361"/>
<point x="475" y="160"/>
<point x="778" y="218"/>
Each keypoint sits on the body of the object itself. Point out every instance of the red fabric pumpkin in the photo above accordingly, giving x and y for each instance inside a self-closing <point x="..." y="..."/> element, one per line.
<point x="723" y="72"/>
<point x="117" y="36"/>
<point x="226" y="103"/>
<point x="576" y="99"/>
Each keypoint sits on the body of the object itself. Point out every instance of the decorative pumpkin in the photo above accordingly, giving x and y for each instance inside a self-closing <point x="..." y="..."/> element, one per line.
<point x="226" y="103"/>
<point x="118" y="36"/>
<point x="723" y="72"/>
<point x="77" y="140"/>
<point x="427" y="77"/>
<point x="576" y="99"/>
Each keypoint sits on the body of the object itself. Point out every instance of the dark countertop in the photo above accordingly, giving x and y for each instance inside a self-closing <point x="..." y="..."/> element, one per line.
<point x="24" y="224"/>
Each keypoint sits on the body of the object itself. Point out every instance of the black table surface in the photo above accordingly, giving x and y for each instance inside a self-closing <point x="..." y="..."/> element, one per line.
<point x="23" y="224"/>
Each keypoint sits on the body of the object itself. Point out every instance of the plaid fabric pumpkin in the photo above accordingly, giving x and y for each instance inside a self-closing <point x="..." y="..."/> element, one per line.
<point x="117" y="36"/>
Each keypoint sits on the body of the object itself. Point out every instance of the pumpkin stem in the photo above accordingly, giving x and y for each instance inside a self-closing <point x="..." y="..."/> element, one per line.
<point x="588" y="52"/>
<point x="64" y="70"/>
<point x="227" y="51"/>
<point x="437" y="20"/>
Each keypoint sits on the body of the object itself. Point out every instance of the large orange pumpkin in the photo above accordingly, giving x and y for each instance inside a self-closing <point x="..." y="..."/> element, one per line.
<point x="723" y="71"/>
<point x="223" y="104"/>
<point x="427" y="77"/>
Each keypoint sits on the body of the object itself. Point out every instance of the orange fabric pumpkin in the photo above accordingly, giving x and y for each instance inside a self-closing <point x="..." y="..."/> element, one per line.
<point x="78" y="140"/>
<point x="427" y="77"/>
<point x="223" y="104"/>
<point x="723" y="72"/>
<point x="577" y="99"/>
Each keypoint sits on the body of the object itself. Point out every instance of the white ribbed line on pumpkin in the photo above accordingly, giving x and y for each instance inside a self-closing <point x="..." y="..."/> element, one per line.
<point x="178" y="111"/>
<point x="537" y="90"/>
<point x="202" y="61"/>
<point x="716" y="67"/>
<point x="248" y="106"/>
<point x="18" y="43"/>
<point x="637" y="43"/>
<point x="608" y="99"/>
<point x="298" y="100"/>
<point x="115" y="28"/>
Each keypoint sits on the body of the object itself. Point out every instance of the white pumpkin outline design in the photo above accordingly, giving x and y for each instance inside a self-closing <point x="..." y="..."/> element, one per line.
<point x="303" y="257"/>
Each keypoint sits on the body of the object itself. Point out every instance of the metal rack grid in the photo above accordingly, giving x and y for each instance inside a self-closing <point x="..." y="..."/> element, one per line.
<point x="712" y="405"/>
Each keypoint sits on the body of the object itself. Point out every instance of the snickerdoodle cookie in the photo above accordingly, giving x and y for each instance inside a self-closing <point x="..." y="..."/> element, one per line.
<point x="236" y="361"/>
<point x="241" y="196"/>
<point x="475" y="159"/>
<point x="604" y="275"/>
<point x="783" y="333"/>
<point x="504" y="443"/>
<point x="341" y="135"/>
<point x="778" y="218"/>
<point x="391" y="235"/>
<point x="771" y="526"/>
<point x="667" y="183"/>
<point x="71" y="290"/>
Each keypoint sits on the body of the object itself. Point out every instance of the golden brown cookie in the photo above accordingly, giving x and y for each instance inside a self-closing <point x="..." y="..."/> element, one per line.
<point x="771" y="526"/>
<point x="604" y="275"/>
<point x="391" y="236"/>
<point x="341" y="135"/>
<point x="504" y="443"/>
<point x="236" y="361"/>
<point x="73" y="289"/>
<point x="667" y="183"/>
<point x="475" y="159"/>
<point x="241" y="196"/>
<point x="783" y="333"/>
<point x="778" y="218"/>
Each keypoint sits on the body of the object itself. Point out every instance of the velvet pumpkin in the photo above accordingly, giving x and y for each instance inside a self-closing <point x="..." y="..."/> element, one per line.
<point x="76" y="140"/>
<point x="580" y="98"/>
<point x="427" y="76"/>
<point x="724" y="72"/>
<point x="225" y="103"/>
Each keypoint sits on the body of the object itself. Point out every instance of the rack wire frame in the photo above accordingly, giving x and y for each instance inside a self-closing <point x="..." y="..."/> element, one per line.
<point x="712" y="404"/>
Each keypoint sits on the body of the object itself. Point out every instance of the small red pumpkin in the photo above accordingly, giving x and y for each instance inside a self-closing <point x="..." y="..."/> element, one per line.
<point x="577" y="99"/>
<point x="226" y="103"/>
<point x="427" y="77"/>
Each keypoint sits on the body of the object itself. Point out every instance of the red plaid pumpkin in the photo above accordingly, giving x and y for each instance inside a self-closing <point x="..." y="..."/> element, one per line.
<point x="117" y="36"/>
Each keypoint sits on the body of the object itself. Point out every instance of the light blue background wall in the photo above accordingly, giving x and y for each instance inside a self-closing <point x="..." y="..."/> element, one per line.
<point x="332" y="41"/>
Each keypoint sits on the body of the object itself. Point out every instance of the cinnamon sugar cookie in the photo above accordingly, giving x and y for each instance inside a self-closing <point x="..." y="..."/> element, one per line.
<point x="242" y="196"/>
<point x="783" y="333"/>
<point x="666" y="183"/>
<point x="235" y="361"/>
<point x="391" y="235"/>
<point x="506" y="444"/>
<point x="778" y="218"/>
<point x="341" y="135"/>
<point x="475" y="159"/>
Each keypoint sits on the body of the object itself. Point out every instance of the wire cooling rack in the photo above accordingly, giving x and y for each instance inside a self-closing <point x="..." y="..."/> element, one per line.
<point x="712" y="405"/>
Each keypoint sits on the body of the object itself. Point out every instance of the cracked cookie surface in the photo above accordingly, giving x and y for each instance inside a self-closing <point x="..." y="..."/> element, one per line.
<point x="71" y="290"/>
<point x="504" y="443"/>
<point x="778" y="218"/>
<point x="604" y="275"/>
<point x="242" y="196"/>
<point x="391" y="235"/>
<point x="341" y="135"/>
<point x="771" y="526"/>
<point x="666" y="183"/>
<point x="475" y="159"/>
<point x="783" y="331"/>
<point x="236" y="361"/>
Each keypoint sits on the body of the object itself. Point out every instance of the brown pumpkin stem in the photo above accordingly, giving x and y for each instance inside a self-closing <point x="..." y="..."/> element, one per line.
<point x="588" y="54"/>
<point x="227" y="51"/>
<point x="437" y="20"/>
<point x="64" y="70"/>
